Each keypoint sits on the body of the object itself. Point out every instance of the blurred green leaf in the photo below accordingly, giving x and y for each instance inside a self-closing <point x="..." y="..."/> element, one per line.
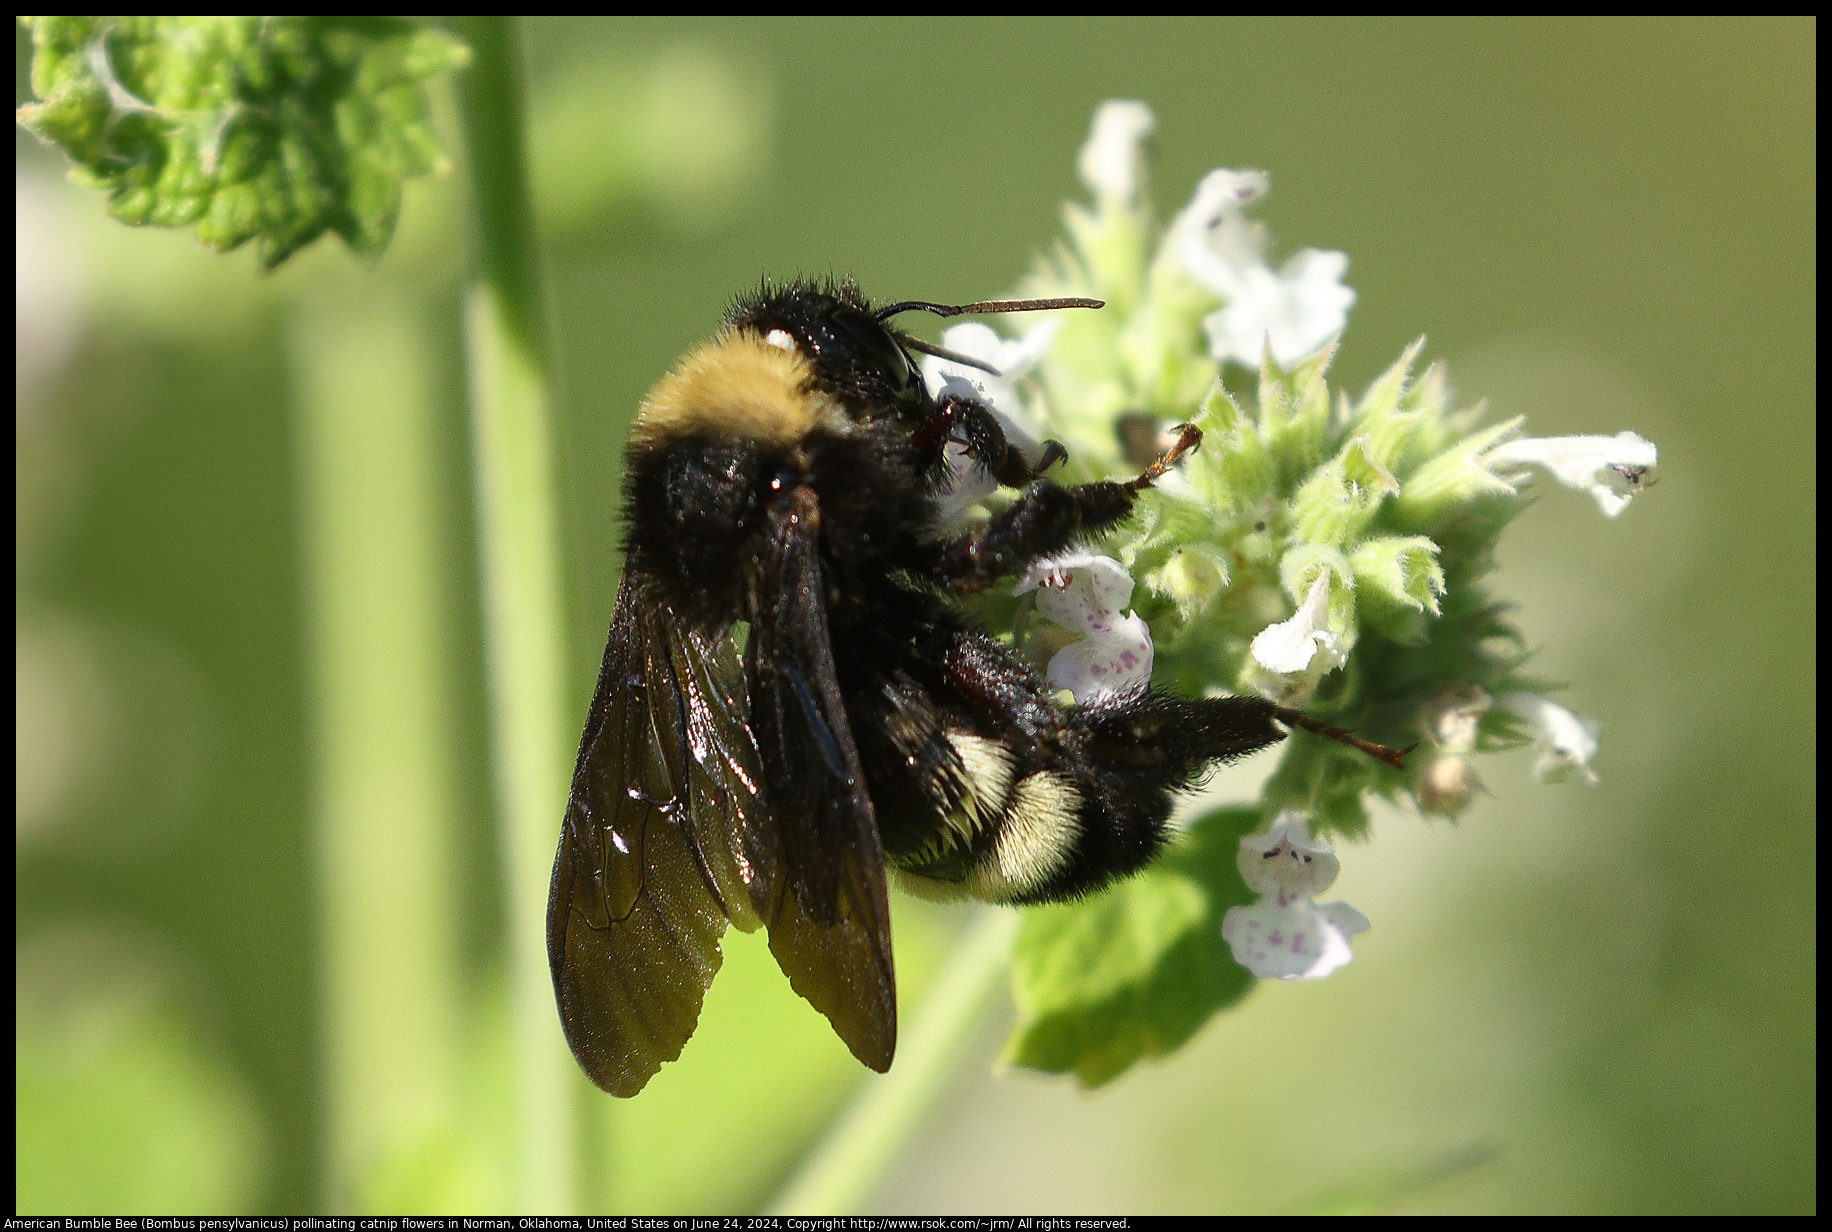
<point x="273" y="129"/>
<point x="1137" y="971"/>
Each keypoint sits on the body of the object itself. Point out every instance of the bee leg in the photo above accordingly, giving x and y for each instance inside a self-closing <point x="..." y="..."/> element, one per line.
<point x="984" y="437"/>
<point x="1002" y="692"/>
<point x="1044" y="520"/>
<point x="1171" y="739"/>
<point x="1189" y="436"/>
<point x="1168" y="740"/>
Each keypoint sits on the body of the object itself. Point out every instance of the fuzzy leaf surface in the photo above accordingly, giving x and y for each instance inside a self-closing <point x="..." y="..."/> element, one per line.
<point x="271" y="129"/>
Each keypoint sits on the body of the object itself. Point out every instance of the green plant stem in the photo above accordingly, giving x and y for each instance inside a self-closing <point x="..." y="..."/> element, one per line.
<point x="850" y="1160"/>
<point x="382" y="774"/>
<point x="523" y="634"/>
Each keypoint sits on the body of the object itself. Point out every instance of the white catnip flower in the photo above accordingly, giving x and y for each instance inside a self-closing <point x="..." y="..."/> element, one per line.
<point x="1447" y="782"/>
<point x="1611" y="468"/>
<point x="1085" y="593"/>
<point x="1014" y="358"/>
<point x="1290" y="313"/>
<point x="1112" y="160"/>
<point x="1285" y="935"/>
<point x="1565" y="742"/>
<point x="1293" y="655"/>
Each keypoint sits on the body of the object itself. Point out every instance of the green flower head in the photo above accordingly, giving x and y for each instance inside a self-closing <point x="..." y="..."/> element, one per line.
<point x="1326" y="551"/>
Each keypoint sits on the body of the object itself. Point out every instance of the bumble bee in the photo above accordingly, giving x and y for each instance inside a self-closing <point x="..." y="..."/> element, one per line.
<point x="792" y="703"/>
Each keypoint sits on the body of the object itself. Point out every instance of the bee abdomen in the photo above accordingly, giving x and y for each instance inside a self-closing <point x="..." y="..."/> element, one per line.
<point x="1035" y="842"/>
<point x="1002" y="836"/>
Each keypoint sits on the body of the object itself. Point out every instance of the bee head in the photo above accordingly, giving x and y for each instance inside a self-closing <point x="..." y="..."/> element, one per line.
<point x="853" y="356"/>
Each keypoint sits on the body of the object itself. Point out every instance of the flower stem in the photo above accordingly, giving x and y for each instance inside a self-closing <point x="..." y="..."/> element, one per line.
<point x="523" y="636"/>
<point x="383" y="782"/>
<point x="850" y="1161"/>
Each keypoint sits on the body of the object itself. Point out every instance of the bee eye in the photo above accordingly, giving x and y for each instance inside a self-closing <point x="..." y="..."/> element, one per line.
<point x="873" y="344"/>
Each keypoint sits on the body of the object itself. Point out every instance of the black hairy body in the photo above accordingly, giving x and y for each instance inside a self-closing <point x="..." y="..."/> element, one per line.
<point x="793" y="701"/>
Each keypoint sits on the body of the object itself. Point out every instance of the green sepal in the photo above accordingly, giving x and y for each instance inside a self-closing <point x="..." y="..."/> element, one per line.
<point x="1191" y="577"/>
<point x="1397" y="581"/>
<point x="1294" y="412"/>
<point x="1171" y="553"/>
<point x="1232" y="470"/>
<point x="1111" y="241"/>
<point x="1081" y="376"/>
<point x="1452" y="479"/>
<point x="1342" y="496"/>
<point x="1401" y="422"/>
<point x="1163" y="345"/>
<point x="1165" y="365"/>
<point x="1326" y="781"/>
<point x="1382" y="398"/>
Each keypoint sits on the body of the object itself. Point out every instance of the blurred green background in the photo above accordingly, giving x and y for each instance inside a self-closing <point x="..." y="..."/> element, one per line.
<point x="1577" y="999"/>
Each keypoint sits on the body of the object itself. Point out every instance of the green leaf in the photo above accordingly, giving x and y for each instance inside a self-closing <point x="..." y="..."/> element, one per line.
<point x="1386" y="1190"/>
<point x="1136" y="971"/>
<point x="273" y="129"/>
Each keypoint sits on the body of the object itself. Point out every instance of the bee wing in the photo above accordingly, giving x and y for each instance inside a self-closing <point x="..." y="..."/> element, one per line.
<point x="665" y="840"/>
<point x="830" y="922"/>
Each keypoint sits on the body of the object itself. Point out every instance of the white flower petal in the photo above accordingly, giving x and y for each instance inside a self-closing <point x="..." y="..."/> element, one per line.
<point x="1089" y="596"/>
<point x="1565" y="741"/>
<point x="1112" y="158"/>
<point x="1111" y="662"/>
<point x="1213" y="238"/>
<point x="1299" y="941"/>
<point x="1285" y="862"/>
<point x="1293" y="655"/>
<point x="1054" y="570"/>
<point x="1293" y="313"/>
<point x="1611" y="468"/>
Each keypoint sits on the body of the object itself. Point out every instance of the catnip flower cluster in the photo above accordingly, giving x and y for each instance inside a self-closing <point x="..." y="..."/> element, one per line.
<point x="1326" y="552"/>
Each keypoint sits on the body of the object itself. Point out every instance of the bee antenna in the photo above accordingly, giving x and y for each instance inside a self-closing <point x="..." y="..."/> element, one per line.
<point x="953" y="357"/>
<point x="988" y="305"/>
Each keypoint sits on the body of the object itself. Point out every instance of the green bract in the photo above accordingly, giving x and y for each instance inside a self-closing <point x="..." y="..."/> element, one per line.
<point x="272" y="129"/>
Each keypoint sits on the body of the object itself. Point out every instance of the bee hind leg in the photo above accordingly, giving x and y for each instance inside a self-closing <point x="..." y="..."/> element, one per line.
<point x="1170" y="740"/>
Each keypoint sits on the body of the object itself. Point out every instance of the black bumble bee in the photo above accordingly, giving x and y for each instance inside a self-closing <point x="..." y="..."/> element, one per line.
<point x="792" y="703"/>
